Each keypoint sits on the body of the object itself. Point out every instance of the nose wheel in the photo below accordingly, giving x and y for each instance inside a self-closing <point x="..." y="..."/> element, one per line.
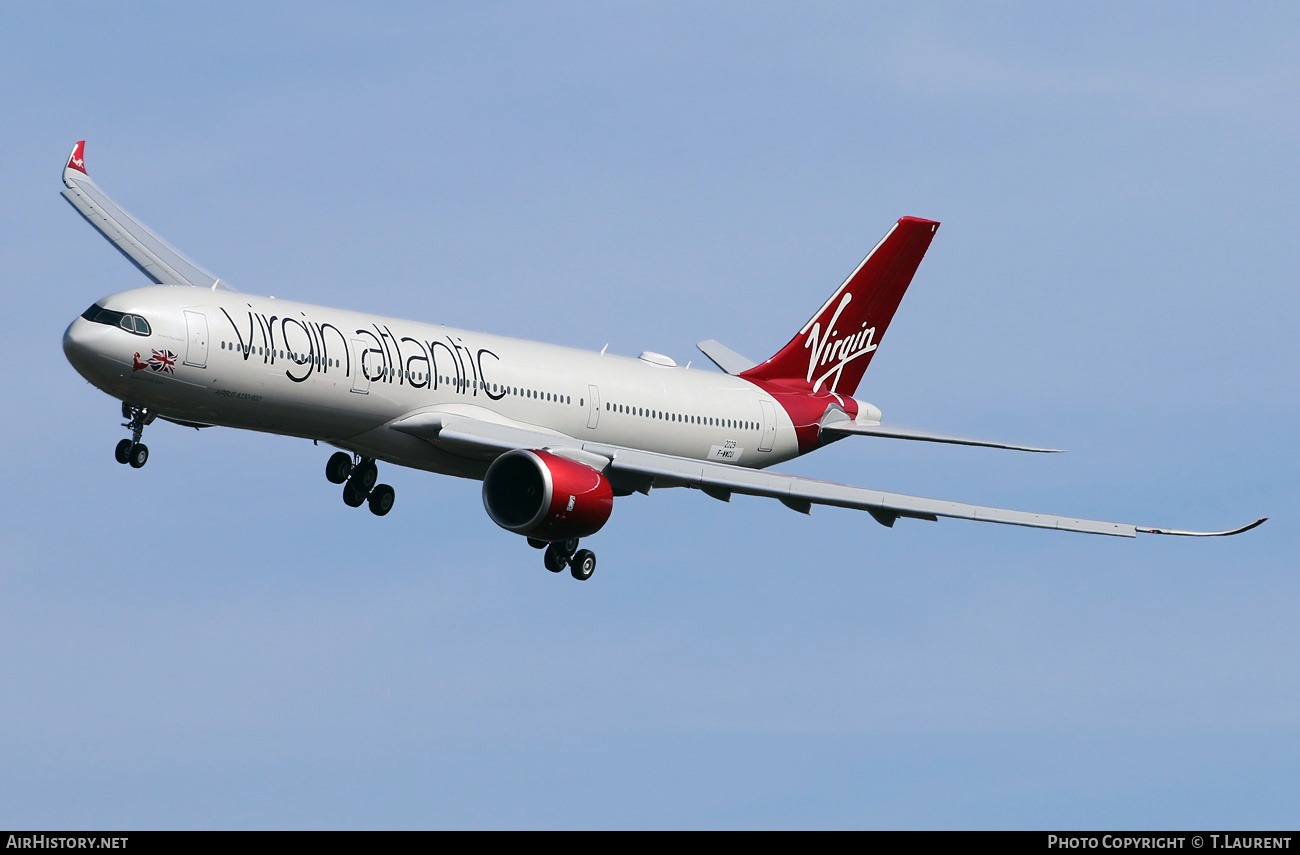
<point x="565" y="553"/>
<point x="132" y="451"/>
<point x="358" y="479"/>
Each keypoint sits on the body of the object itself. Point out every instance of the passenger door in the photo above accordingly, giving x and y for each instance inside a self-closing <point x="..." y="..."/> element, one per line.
<point x="196" y="347"/>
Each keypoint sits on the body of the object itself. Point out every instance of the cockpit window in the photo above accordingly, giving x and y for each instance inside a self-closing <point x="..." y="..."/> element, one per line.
<point x="133" y="324"/>
<point x="99" y="315"/>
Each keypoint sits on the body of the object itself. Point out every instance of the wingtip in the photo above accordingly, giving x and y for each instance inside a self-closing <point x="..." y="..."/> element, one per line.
<point x="77" y="160"/>
<point x="1245" y="528"/>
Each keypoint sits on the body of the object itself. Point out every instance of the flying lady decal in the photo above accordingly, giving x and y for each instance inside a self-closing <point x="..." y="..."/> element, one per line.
<point x="161" y="362"/>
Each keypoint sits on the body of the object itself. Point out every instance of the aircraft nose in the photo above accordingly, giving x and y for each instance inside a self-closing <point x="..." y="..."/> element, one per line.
<point x="72" y="338"/>
<point x="77" y="345"/>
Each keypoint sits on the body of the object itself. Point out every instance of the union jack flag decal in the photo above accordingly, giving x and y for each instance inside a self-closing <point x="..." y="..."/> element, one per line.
<point x="163" y="360"/>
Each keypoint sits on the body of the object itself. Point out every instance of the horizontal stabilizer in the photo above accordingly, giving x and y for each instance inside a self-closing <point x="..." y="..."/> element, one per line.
<point x="848" y="428"/>
<point x="724" y="357"/>
<point x="154" y="257"/>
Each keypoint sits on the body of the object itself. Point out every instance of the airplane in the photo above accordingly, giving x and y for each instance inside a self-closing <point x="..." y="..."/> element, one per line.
<point x="553" y="432"/>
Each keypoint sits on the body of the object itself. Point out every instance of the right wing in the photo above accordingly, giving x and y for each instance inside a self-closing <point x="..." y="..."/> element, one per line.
<point x="634" y="469"/>
<point x="155" y="258"/>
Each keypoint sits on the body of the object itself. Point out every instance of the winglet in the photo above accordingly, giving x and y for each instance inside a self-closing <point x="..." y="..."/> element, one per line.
<point x="77" y="160"/>
<point x="1244" y="528"/>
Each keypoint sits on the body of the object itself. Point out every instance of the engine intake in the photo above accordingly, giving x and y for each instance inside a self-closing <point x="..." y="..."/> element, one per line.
<point x="542" y="495"/>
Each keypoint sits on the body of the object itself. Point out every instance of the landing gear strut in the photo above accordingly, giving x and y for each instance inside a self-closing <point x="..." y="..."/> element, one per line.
<point x="565" y="553"/>
<point x="132" y="450"/>
<point x="358" y="479"/>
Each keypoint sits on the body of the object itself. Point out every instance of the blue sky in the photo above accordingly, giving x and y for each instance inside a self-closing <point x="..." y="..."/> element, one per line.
<point x="216" y="641"/>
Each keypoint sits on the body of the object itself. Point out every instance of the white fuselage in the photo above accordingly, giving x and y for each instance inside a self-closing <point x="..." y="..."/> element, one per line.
<point x="340" y="377"/>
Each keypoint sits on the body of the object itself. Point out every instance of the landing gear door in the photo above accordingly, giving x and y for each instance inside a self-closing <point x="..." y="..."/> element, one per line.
<point x="769" y="426"/>
<point x="360" y="371"/>
<point x="593" y="406"/>
<point x="196" y="348"/>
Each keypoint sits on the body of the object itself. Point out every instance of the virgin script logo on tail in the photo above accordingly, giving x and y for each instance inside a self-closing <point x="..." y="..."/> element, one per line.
<point x="836" y="350"/>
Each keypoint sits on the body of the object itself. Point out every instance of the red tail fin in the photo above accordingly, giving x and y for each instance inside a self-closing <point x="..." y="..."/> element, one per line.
<point x="834" y="348"/>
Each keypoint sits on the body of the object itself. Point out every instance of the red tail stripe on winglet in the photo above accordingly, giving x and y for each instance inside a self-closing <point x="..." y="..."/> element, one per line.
<point x="833" y="349"/>
<point x="77" y="160"/>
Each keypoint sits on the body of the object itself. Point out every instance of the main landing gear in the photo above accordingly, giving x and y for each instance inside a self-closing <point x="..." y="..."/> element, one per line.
<point x="565" y="553"/>
<point x="358" y="479"/>
<point x="132" y="450"/>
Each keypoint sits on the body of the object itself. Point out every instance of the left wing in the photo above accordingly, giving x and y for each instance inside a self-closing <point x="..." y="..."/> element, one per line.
<point x="153" y="256"/>
<point x="643" y="470"/>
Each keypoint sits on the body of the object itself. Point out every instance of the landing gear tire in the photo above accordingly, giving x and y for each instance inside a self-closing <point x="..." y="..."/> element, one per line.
<point x="381" y="499"/>
<point x="352" y="497"/>
<point x="139" y="455"/>
<point x="365" y="475"/>
<point x="537" y="544"/>
<point x="123" y="451"/>
<point x="339" y="467"/>
<point x="555" y="559"/>
<point x="583" y="564"/>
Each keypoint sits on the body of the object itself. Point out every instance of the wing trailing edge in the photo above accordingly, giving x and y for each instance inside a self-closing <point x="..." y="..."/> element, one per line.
<point x="153" y="256"/>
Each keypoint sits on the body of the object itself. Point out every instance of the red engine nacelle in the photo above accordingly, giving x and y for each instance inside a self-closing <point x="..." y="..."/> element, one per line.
<point x="541" y="495"/>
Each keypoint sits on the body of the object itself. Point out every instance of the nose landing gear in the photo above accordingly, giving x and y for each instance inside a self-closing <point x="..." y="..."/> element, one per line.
<point x="565" y="553"/>
<point x="132" y="450"/>
<point x="358" y="479"/>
